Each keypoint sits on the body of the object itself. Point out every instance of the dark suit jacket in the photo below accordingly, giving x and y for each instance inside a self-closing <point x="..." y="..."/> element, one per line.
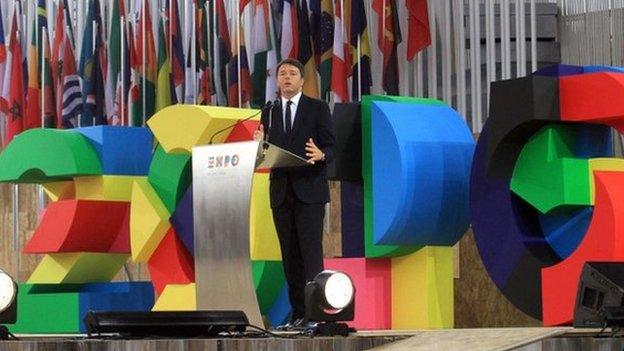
<point x="312" y="120"/>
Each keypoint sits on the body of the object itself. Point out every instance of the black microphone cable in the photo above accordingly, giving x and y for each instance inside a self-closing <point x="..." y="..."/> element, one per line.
<point x="267" y="105"/>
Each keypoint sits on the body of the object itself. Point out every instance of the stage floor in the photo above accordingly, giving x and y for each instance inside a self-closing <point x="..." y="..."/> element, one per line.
<point x="494" y="339"/>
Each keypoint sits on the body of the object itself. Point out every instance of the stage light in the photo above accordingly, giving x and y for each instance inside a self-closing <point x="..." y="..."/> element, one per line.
<point x="330" y="298"/>
<point x="599" y="295"/>
<point x="165" y="323"/>
<point x="8" y="304"/>
<point x="613" y="317"/>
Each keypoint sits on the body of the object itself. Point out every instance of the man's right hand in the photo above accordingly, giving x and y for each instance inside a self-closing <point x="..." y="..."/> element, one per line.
<point x="258" y="134"/>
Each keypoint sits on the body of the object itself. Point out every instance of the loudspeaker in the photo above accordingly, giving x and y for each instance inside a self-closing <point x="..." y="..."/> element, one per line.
<point x="600" y="290"/>
<point x="166" y="323"/>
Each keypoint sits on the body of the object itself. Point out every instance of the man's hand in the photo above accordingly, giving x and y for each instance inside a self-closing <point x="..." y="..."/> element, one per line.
<point x="258" y="134"/>
<point x="313" y="152"/>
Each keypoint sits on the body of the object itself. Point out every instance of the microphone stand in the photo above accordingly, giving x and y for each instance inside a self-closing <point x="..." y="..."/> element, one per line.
<point x="266" y="133"/>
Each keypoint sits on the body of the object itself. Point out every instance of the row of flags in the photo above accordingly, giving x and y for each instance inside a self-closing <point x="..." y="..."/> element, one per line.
<point x="125" y="73"/>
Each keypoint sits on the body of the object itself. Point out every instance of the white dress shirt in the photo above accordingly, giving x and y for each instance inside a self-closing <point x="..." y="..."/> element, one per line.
<point x="293" y="109"/>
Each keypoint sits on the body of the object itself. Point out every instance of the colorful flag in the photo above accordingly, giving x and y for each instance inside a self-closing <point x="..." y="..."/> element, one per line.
<point x="315" y="28"/>
<point x="270" y="89"/>
<point x="47" y="87"/>
<point x="306" y="55"/>
<point x="163" y="96"/>
<point x="290" y="30"/>
<point x="388" y="40"/>
<point x="190" y="67"/>
<point x="339" y="66"/>
<point x="15" y="93"/>
<point x="260" y="45"/>
<point x="135" y="104"/>
<point x="362" y="80"/>
<point x="149" y="73"/>
<point x="68" y="87"/>
<point x="90" y="69"/>
<point x="33" y="114"/>
<point x="238" y="68"/>
<point x="325" y="46"/>
<point x="204" y="96"/>
<point x="114" y="63"/>
<point x="57" y="53"/>
<point x="177" y="52"/>
<point x="418" y="35"/>
<point x="224" y="54"/>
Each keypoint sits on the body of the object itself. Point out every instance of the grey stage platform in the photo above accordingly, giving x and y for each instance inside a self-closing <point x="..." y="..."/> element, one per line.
<point x="495" y="339"/>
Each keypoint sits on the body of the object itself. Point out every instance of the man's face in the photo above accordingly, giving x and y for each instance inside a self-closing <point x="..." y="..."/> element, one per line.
<point x="289" y="80"/>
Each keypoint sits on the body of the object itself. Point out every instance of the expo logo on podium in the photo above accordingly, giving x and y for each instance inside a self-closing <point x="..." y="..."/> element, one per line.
<point x="223" y="161"/>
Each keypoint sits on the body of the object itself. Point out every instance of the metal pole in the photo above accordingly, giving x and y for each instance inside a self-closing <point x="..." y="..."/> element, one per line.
<point x="209" y="49"/>
<point x="489" y="47"/>
<point x="143" y="57"/>
<point x="432" y="56"/>
<point x="534" y="37"/>
<point x="94" y="53"/>
<point x="238" y="63"/>
<point x="124" y="117"/>
<point x="16" y="228"/>
<point x="460" y="48"/>
<point x="473" y="65"/>
<point x="359" y="61"/>
<point x="446" y="52"/>
<point x="194" y="52"/>
<point x="382" y="30"/>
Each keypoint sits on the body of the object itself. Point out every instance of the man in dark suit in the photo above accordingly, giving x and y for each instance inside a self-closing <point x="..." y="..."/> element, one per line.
<point x="301" y="125"/>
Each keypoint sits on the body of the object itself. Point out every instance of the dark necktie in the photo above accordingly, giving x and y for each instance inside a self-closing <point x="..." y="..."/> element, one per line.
<point x="288" y="117"/>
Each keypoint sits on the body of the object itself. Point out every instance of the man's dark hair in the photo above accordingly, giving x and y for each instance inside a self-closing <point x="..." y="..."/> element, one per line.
<point x="293" y="62"/>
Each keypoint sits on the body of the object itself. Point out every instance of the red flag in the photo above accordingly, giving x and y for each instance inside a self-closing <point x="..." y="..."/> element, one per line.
<point x="15" y="100"/>
<point x="290" y="30"/>
<point x="388" y="39"/>
<point x="419" y="36"/>
<point x="205" y="77"/>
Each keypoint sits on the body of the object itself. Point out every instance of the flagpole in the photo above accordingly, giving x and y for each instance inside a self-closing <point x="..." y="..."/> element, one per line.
<point x="122" y="37"/>
<point x="216" y="69"/>
<point x="209" y="47"/>
<point x="15" y="194"/>
<point x="42" y="97"/>
<point x="40" y="40"/>
<point x="16" y="244"/>
<point x="171" y="37"/>
<point x="238" y="57"/>
<point x="15" y="204"/>
<point x="143" y="29"/>
<point x="193" y="51"/>
<point x="94" y="53"/>
<point x="359" y="61"/>
<point x="383" y="42"/>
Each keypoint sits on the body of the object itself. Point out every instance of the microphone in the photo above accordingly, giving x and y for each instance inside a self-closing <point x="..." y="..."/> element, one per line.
<point x="267" y="105"/>
<point x="276" y="102"/>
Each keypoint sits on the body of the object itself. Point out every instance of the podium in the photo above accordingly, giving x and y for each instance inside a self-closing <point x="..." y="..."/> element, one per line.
<point x="222" y="180"/>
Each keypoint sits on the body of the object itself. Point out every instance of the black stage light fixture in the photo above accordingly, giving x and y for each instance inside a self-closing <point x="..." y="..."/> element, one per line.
<point x="165" y="323"/>
<point x="330" y="298"/>
<point x="8" y="304"/>
<point x="600" y="295"/>
<point x="613" y="317"/>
